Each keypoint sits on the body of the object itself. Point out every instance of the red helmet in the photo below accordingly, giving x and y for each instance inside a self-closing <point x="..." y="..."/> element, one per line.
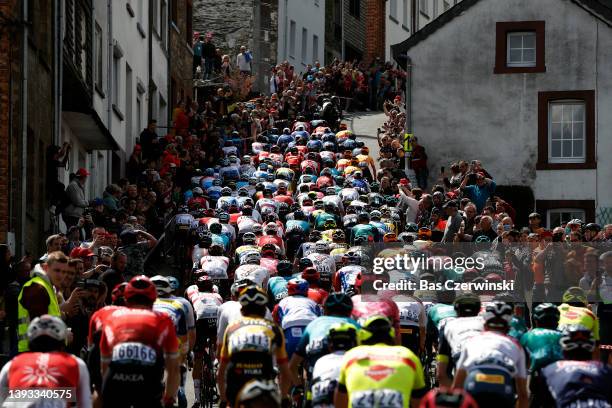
<point x="118" y="293"/>
<point x="447" y="398"/>
<point x="297" y="286"/>
<point x="140" y="285"/>
<point x="311" y="275"/>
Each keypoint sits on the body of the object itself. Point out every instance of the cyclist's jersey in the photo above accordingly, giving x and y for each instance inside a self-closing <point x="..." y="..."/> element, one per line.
<point x="183" y="222"/>
<point x="543" y="347"/>
<point x="266" y="205"/>
<point x="440" y="313"/>
<point x="215" y="266"/>
<point x="579" y="383"/>
<point x="571" y="315"/>
<point x="321" y="218"/>
<point x="325" y="265"/>
<point x="197" y="253"/>
<point x="306" y="249"/>
<point x="455" y="333"/>
<point x="205" y="304"/>
<point x="229" y="173"/>
<point x="206" y="182"/>
<point x="175" y="311"/>
<point x="97" y="321"/>
<point x="214" y="192"/>
<point x="256" y="273"/>
<point x="277" y="287"/>
<point x="225" y="202"/>
<point x="269" y="264"/>
<point x="338" y="251"/>
<point x="494" y="350"/>
<point x="325" y="374"/>
<point x="244" y="250"/>
<point x="295" y="311"/>
<point x="346" y="276"/>
<point x="364" y="230"/>
<point x="381" y="376"/>
<point x="365" y="306"/>
<point x="297" y="226"/>
<point x="35" y="370"/>
<point x="349" y="194"/>
<point x="412" y="313"/>
<point x="188" y="309"/>
<point x="138" y="340"/>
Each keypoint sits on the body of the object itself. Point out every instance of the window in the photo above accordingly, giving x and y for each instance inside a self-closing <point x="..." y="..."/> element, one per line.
<point x="292" y="29"/>
<point x="355" y="8"/>
<point x="163" y="23"/>
<point x="304" y="45"/>
<point x="116" y="79"/>
<point x="393" y="10"/>
<point x="189" y="17"/>
<point x="140" y="10"/>
<point x="138" y="114"/>
<point x="560" y="216"/>
<point x="154" y="4"/>
<point x="519" y="47"/>
<point x="99" y="59"/>
<point x="566" y="130"/>
<point x="424" y="7"/>
<point x="446" y="5"/>
<point x="315" y="48"/>
<point x="405" y="14"/>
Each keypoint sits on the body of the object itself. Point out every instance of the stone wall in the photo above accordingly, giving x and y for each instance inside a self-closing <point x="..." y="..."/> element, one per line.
<point x="181" y="61"/>
<point x="355" y="28"/>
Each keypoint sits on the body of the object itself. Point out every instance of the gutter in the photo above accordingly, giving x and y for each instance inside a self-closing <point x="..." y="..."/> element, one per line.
<point x="24" y="122"/>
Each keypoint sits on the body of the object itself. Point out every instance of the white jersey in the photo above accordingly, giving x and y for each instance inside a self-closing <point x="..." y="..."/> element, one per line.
<point x="324" y="264"/>
<point x="205" y="304"/>
<point x="325" y="375"/>
<point x="412" y="312"/>
<point x="198" y="253"/>
<point x="256" y="273"/>
<point x="459" y="330"/>
<point x="228" y="313"/>
<point x="215" y="266"/>
<point x="188" y="308"/>
<point x="495" y="350"/>
<point x="347" y="275"/>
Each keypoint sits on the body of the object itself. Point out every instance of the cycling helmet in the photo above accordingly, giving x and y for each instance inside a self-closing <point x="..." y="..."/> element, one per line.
<point x="268" y="250"/>
<point x="338" y="235"/>
<point x="448" y="398"/>
<point x="140" y="286"/>
<point x="352" y="258"/>
<point x="118" y="294"/>
<point x="339" y="302"/>
<point x="497" y="315"/>
<point x="322" y="247"/>
<point x="257" y="229"/>
<point x="252" y="258"/>
<point x="577" y="336"/>
<point x="209" y="172"/>
<point x="575" y="295"/>
<point x="162" y="284"/>
<point x="239" y="285"/>
<point x="204" y="283"/>
<point x="375" y="329"/>
<point x="215" y="228"/>
<point x="216" y="249"/>
<point x="342" y="336"/>
<point x="49" y="326"/>
<point x="253" y="296"/>
<point x="546" y="312"/>
<point x="224" y="217"/>
<point x="390" y="237"/>
<point x="197" y="191"/>
<point x="467" y="304"/>
<point x="314" y="236"/>
<point x="284" y="267"/>
<point x="297" y="286"/>
<point x="311" y="275"/>
<point x="304" y="263"/>
<point x="265" y="391"/>
<point x="174" y="283"/>
<point x="271" y="228"/>
<point x="482" y="239"/>
<point x="249" y="238"/>
<point x="592" y="227"/>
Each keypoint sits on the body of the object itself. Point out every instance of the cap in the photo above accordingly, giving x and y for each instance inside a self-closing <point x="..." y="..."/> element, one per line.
<point x="82" y="172"/>
<point x="97" y="201"/>
<point x="450" y="204"/>
<point x="404" y="182"/>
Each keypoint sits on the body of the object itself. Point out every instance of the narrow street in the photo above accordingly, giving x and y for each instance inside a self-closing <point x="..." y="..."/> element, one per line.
<point x="364" y="125"/>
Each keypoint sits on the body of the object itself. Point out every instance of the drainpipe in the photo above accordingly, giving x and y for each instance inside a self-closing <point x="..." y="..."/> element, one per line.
<point x="24" y="122"/>
<point x="286" y="27"/>
<point x="150" y="70"/>
<point x="408" y="103"/>
<point x="58" y="67"/>
<point x="342" y="26"/>
<point x="109" y="65"/>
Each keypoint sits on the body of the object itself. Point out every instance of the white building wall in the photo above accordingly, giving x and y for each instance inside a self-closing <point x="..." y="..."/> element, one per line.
<point x="397" y="25"/>
<point x="160" y="98"/>
<point x="462" y="110"/>
<point x="308" y="14"/>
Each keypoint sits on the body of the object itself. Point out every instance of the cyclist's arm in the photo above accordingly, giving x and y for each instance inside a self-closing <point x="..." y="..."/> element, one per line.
<point x="443" y="358"/>
<point x="172" y="376"/>
<point x="459" y="379"/>
<point x="294" y="366"/>
<point x="223" y="359"/>
<point x="340" y="397"/>
<point x="521" y="391"/>
<point x="83" y="390"/>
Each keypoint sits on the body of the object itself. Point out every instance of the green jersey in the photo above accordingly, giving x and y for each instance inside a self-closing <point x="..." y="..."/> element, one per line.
<point x="543" y="347"/>
<point x="440" y="312"/>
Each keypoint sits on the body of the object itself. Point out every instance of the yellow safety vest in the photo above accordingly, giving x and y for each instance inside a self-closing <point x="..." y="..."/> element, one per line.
<point x="23" y="315"/>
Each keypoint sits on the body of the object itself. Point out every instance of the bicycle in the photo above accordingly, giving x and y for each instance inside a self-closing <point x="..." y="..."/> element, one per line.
<point x="208" y="385"/>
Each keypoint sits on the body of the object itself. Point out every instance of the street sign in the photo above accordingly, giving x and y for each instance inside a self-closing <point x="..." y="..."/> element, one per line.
<point x="407" y="139"/>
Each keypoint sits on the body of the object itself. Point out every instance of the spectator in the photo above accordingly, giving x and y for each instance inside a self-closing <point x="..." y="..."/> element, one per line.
<point x="209" y="53"/>
<point x="76" y="196"/>
<point x="243" y="61"/>
<point x="136" y="250"/>
<point x="418" y="163"/>
<point x="198" y="47"/>
<point x="149" y="141"/>
<point x="480" y="192"/>
<point x="453" y="223"/>
<point x="115" y="274"/>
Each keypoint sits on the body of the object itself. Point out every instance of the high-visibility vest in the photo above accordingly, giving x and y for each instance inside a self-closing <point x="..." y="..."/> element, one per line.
<point x="23" y="315"/>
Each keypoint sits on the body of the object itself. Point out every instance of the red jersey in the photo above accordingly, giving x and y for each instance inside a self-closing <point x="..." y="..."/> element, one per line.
<point x="96" y="323"/>
<point x="270" y="239"/>
<point x="44" y="370"/>
<point x="318" y="295"/>
<point x="365" y="306"/>
<point x="269" y="264"/>
<point x="283" y="199"/>
<point x="138" y="334"/>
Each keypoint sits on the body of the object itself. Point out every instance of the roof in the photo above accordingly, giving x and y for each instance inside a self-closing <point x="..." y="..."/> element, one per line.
<point x="601" y="9"/>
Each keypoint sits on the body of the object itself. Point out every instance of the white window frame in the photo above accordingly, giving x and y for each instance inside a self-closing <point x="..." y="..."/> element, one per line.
<point x="304" y="45"/>
<point x="393" y="9"/>
<point x="574" y="213"/>
<point x="99" y="56"/>
<point x="521" y="63"/>
<point x="292" y="29"/>
<point x="405" y="13"/>
<point x="116" y="98"/>
<point x="424" y="7"/>
<point x="315" y="47"/>
<point x="567" y="159"/>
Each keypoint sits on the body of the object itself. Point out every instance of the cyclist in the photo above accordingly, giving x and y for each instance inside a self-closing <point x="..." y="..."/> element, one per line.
<point x="345" y="277"/>
<point x="215" y="264"/>
<point x="277" y="285"/>
<point x="341" y="337"/>
<point x="315" y="291"/>
<point x="492" y="365"/>
<point x="46" y="365"/>
<point x="379" y="373"/>
<point x="456" y="332"/>
<point x="413" y="321"/>
<point x="137" y="344"/>
<point x="542" y="345"/>
<point x="574" y="310"/>
<point x="577" y="380"/>
<point x="250" y="346"/>
<point x="337" y="309"/>
<point x="206" y="304"/>
<point x="258" y="393"/>
<point x="165" y="303"/>
<point x="295" y="312"/>
<point x="446" y="398"/>
<point x="252" y="270"/>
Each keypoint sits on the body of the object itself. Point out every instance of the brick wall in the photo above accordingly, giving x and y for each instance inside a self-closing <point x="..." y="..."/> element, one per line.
<point x="181" y="59"/>
<point x="375" y="23"/>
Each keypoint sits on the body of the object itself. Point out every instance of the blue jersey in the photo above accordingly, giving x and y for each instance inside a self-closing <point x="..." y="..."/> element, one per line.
<point x="579" y="383"/>
<point x="277" y="287"/>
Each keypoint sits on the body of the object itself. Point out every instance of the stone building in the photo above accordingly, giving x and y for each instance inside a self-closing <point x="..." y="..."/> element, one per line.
<point x="180" y="53"/>
<point x="235" y="23"/>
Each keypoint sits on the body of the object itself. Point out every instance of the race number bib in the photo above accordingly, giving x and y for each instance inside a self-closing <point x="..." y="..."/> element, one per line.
<point x="323" y="391"/>
<point x="378" y="399"/>
<point x="249" y="342"/>
<point x="135" y="353"/>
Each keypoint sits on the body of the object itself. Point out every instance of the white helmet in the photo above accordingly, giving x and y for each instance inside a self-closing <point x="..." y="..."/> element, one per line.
<point x="47" y="325"/>
<point x="322" y="247"/>
<point x="252" y="258"/>
<point x="162" y="284"/>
